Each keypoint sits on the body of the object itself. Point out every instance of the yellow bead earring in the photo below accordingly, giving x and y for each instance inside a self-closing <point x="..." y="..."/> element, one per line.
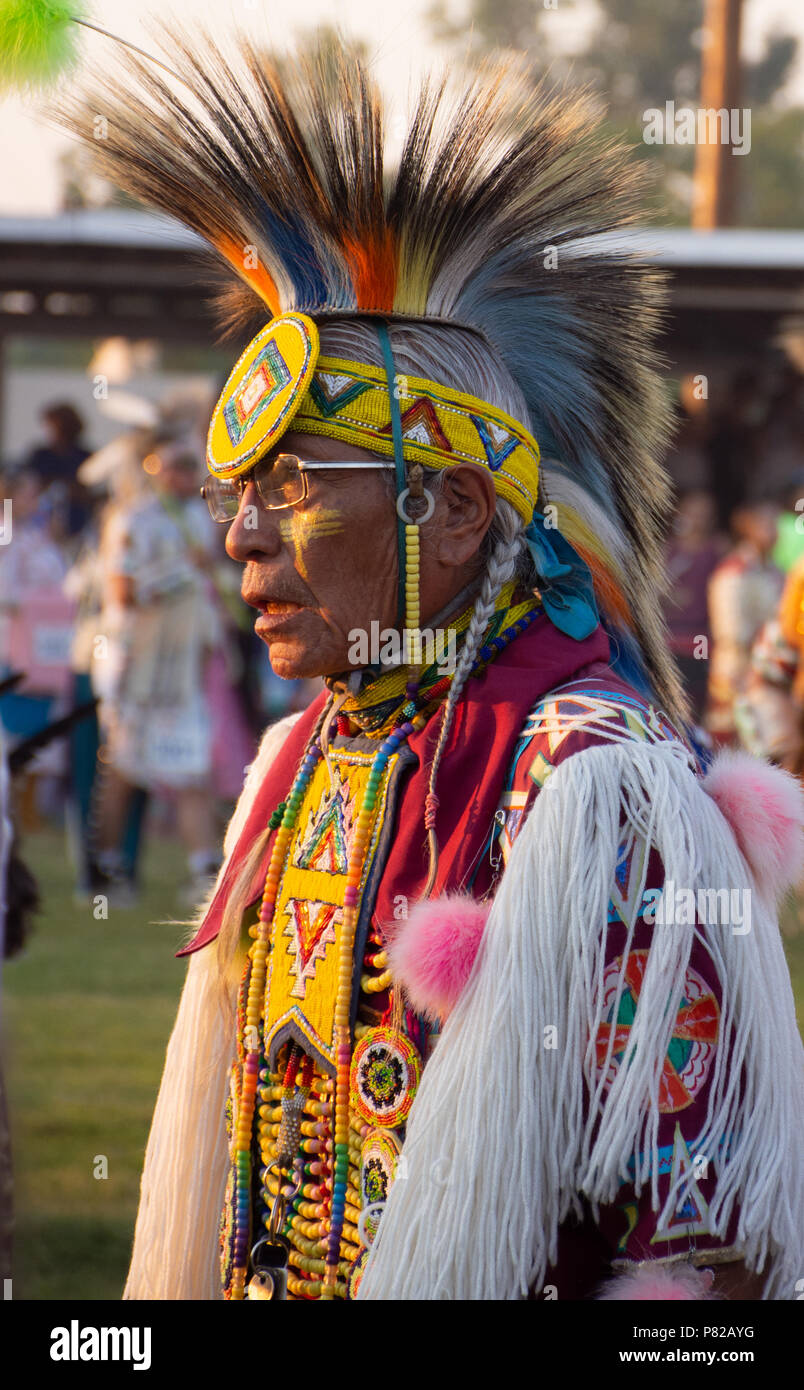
<point x="417" y="492"/>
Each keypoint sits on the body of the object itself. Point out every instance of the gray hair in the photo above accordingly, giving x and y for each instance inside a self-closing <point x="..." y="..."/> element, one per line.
<point x="459" y="359"/>
<point x="462" y="361"/>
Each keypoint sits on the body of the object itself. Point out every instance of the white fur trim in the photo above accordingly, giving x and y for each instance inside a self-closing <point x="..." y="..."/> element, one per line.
<point x="497" y="1150"/>
<point x="175" y="1253"/>
<point x="175" y="1239"/>
<point x="659" y="1283"/>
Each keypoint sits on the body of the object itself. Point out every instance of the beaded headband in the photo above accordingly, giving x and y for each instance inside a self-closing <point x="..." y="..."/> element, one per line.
<point x="280" y="379"/>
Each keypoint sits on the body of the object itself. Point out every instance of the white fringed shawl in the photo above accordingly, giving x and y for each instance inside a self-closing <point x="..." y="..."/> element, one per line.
<point x="497" y="1148"/>
<point x="175" y="1253"/>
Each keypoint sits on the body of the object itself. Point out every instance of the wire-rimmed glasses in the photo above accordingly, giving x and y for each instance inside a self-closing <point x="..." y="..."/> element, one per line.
<point x="280" y="482"/>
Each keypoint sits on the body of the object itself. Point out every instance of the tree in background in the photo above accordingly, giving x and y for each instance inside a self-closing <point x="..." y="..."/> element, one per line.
<point x="638" y="54"/>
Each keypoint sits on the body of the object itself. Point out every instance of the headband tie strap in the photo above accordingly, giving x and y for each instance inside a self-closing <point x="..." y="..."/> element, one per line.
<point x="399" y="466"/>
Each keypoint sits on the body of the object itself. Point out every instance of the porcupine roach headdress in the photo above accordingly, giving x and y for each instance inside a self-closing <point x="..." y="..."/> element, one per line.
<point x="485" y="224"/>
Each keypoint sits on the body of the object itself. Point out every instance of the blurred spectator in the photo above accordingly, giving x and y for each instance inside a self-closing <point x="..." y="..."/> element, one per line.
<point x="111" y="471"/>
<point x="34" y="624"/>
<point x="768" y="723"/>
<point x="734" y="443"/>
<point x="744" y="592"/>
<point x="789" y="545"/>
<point x="161" y="634"/>
<point x="694" y="551"/>
<point x="688" y="459"/>
<point x="35" y="628"/>
<point x="56" y="462"/>
<point x="783" y="435"/>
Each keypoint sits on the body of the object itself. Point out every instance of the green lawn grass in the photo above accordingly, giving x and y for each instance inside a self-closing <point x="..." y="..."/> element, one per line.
<point x="89" y="1009"/>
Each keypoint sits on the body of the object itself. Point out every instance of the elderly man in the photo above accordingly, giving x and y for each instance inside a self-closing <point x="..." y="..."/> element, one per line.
<point x="485" y="1000"/>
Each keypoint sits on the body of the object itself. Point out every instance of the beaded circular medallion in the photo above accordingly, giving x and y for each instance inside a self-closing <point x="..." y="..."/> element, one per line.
<point x="356" y="1274"/>
<point x="378" y="1160"/>
<point x="263" y="393"/>
<point x="384" y="1077"/>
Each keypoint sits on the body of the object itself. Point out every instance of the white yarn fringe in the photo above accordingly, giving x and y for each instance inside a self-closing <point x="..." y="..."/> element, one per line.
<point x="175" y="1253"/>
<point x="497" y="1149"/>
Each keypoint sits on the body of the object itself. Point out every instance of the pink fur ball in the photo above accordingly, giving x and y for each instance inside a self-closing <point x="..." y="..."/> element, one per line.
<point x="765" y="808"/>
<point x="433" y="952"/>
<point x="659" y="1284"/>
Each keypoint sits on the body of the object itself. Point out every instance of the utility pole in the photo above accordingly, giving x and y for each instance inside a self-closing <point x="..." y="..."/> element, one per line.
<point x="716" y="167"/>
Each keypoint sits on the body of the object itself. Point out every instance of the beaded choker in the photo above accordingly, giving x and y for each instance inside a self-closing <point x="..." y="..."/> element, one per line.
<point x="378" y="701"/>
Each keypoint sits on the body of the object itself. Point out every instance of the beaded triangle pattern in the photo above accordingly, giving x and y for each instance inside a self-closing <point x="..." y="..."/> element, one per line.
<point x="305" y="941"/>
<point x="310" y="929"/>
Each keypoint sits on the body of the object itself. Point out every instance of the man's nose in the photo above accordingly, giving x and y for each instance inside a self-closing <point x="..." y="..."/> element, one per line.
<point x="254" y="533"/>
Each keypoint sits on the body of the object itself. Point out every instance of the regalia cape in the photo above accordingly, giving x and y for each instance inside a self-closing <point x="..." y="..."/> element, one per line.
<point x="528" y="1134"/>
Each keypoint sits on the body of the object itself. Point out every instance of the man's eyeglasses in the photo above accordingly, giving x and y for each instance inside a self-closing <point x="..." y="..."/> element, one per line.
<point x="280" y="482"/>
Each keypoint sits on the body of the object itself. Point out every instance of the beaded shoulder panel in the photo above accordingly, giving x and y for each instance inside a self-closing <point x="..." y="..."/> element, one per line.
<point x="579" y="716"/>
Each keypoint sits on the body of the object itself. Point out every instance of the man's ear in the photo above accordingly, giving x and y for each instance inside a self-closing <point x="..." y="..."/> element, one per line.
<point x="464" y="512"/>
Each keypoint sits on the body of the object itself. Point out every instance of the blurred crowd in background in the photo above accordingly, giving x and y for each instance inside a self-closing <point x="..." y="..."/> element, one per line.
<point x="115" y="587"/>
<point x="735" y="561"/>
<point x="118" y="602"/>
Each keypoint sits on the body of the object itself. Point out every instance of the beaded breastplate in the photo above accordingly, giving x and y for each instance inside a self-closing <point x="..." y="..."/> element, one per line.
<point x="308" y="919"/>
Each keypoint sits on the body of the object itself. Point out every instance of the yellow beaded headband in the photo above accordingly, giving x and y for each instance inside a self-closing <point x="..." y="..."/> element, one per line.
<point x="280" y="380"/>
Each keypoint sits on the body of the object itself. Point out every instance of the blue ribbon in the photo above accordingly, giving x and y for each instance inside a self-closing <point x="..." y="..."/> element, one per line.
<point x="565" y="585"/>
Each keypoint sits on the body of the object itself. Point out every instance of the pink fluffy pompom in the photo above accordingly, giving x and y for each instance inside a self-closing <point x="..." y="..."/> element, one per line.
<point x="433" y="952"/>
<point x="660" y="1284"/>
<point x="765" y="808"/>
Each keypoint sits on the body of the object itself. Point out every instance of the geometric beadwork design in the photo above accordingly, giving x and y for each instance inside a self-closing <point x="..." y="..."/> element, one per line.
<point x="441" y="427"/>
<point x="497" y="441"/>
<point x="262" y="394"/>
<point x="691" y="1215"/>
<point x="324" y="845"/>
<point x="311" y="928"/>
<point x="692" y="1042"/>
<point x="384" y="1077"/>
<point x="331" y="391"/>
<point x="420" y="425"/>
<point x="307" y="927"/>
<point x="591" y="713"/>
<point x="378" y="1159"/>
<point x="267" y="376"/>
<point x="616" y="717"/>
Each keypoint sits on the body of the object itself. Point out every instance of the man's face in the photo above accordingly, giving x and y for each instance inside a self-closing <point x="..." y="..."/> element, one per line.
<point x="321" y="568"/>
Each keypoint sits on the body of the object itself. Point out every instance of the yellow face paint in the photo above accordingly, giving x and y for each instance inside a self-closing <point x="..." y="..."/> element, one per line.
<point x="300" y="527"/>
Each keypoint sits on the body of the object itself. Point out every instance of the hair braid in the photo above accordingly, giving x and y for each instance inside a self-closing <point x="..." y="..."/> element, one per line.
<point x="501" y="567"/>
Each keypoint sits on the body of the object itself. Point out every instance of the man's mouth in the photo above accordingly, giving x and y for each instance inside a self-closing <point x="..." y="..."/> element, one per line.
<point x="275" y="614"/>
<point x="270" y="605"/>
<point x="278" y="608"/>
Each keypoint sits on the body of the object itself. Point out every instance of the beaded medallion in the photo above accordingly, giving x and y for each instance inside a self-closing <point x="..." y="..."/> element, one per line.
<point x="378" y="1160"/>
<point x="384" y="1077"/>
<point x="264" y="390"/>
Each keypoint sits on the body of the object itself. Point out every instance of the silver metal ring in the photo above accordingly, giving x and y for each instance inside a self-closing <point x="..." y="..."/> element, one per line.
<point x="410" y="520"/>
<point x="278" y="1209"/>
